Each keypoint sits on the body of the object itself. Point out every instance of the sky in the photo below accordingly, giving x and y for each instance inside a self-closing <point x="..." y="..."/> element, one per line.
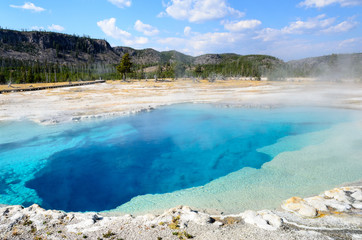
<point x="287" y="29"/>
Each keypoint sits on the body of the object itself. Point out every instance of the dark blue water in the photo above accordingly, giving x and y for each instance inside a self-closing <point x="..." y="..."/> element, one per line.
<point x="99" y="166"/>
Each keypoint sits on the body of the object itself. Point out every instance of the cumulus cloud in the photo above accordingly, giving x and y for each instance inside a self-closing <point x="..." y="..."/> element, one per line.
<point x="268" y="34"/>
<point x="239" y="26"/>
<point x="351" y="42"/>
<point x="201" y="43"/>
<point x="324" y="3"/>
<point x="146" y="29"/>
<point x="311" y="25"/>
<point x="108" y="26"/>
<point x="121" y="3"/>
<point x="55" y="27"/>
<point x="316" y="25"/>
<point x="344" y="26"/>
<point x="199" y="10"/>
<point x="137" y="41"/>
<point x="29" y="6"/>
<point x="37" y="28"/>
<point x="187" y="31"/>
<point x="280" y="44"/>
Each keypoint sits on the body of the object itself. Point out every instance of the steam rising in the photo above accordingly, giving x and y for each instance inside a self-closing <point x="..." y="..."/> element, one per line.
<point x="334" y="68"/>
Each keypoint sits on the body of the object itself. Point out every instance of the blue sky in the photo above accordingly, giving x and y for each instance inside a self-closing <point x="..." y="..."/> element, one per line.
<point x="286" y="29"/>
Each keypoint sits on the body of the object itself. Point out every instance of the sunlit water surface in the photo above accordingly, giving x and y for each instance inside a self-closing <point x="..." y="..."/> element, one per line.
<point x="200" y="155"/>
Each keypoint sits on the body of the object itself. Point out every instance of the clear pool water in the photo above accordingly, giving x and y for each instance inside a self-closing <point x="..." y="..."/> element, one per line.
<point x="178" y="150"/>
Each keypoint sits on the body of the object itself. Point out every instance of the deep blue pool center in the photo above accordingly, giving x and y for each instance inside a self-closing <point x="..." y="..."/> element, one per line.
<point x="96" y="166"/>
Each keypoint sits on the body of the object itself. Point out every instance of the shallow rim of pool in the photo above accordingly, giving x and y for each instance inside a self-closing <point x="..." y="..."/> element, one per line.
<point x="308" y="160"/>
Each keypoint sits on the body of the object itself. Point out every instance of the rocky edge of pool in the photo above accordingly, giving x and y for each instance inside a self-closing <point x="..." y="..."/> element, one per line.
<point x="334" y="214"/>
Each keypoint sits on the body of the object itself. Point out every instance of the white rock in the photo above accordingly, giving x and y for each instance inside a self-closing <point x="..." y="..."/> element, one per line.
<point x="11" y="210"/>
<point x="308" y="211"/>
<point x="357" y="195"/>
<point x="264" y="220"/>
<point x="300" y="206"/>
<point x="356" y="237"/>
<point x="146" y="218"/>
<point x="17" y="216"/>
<point x="317" y="202"/>
<point x="271" y="218"/>
<point x="357" y="205"/>
<point x="186" y="215"/>
<point x="292" y="204"/>
<point x="338" y="194"/>
<point x="251" y="217"/>
<point x="79" y="227"/>
<point x="162" y="218"/>
<point x="339" y="206"/>
<point x="218" y="223"/>
<point x="196" y="217"/>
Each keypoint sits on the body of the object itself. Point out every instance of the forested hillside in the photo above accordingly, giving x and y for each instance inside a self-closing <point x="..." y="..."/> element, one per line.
<point x="332" y="67"/>
<point x="28" y="57"/>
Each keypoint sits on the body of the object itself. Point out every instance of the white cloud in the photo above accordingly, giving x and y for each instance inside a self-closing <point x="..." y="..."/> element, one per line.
<point x="146" y="29"/>
<point x="282" y="46"/>
<point x="121" y="3"/>
<point x="199" y="10"/>
<point x="29" y="6"/>
<point x="55" y="27"/>
<point x="161" y="14"/>
<point x="108" y="26"/>
<point x="282" y="43"/>
<point x="316" y="25"/>
<point x="200" y="43"/>
<point x="137" y="41"/>
<point x="311" y="25"/>
<point x="324" y="3"/>
<point x="37" y="28"/>
<point x="241" y="25"/>
<point x="344" y="26"/>
<point x="187" y="31"/>
<point x="351" y="43"/>
<point x="268" y="34"/>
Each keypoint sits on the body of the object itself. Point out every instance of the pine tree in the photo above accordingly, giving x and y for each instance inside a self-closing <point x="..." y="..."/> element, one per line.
<point x="124" y="66"/>
<point x="198" y="71"/>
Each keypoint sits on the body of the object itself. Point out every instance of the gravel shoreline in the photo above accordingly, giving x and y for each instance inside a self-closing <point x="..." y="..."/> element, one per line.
<point x="334" y="214"/>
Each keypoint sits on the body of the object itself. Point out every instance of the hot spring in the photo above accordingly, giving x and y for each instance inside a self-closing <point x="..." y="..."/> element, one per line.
<point x="203" y="156"/>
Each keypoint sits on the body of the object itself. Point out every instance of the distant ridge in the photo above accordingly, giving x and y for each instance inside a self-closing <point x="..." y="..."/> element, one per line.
<point x="38" y="56"/>
<point x="329" y="67"/>
<point x="58" y="47"/>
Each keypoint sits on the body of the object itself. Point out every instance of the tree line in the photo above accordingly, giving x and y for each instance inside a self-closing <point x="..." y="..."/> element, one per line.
<point x="256" y="66"/>
<point x="243" y="66"/>
<point x="26" y="71"/>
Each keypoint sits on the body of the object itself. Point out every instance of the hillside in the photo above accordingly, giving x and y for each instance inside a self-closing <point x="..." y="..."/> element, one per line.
<point x="50" y="57"/>
<point x="35" y="56"/>
<point x="330" y="67"/>
<point x="62" y="48"/>
<point x="54" y="47"/>
<point x="57" y="48"/>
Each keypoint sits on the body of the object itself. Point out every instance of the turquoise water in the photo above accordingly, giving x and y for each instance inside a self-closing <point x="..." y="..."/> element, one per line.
<point x="97" y="166"/>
